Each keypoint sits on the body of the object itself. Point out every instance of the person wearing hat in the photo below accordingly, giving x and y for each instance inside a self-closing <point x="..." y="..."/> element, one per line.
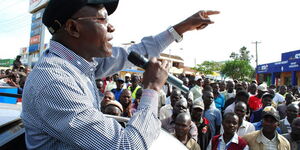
<point x="255" y="102"/>
<point x="113" y="108"/>
<point x="127" y="80"/>
<point x="267" y="100"/>
<point x="117" y="91"/>
<point x="268" y="138"/>
<point x="204" y="133"/>
<point x="61" y="108"/>
<point x="197" y="89"/>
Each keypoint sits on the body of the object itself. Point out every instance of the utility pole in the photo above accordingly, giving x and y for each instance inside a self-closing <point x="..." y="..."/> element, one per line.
<point x="256" y="42"/>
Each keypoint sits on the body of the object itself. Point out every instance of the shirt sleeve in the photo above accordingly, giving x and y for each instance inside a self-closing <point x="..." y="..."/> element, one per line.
<point x="68" y="114"/>
<point x="150" y="47"/>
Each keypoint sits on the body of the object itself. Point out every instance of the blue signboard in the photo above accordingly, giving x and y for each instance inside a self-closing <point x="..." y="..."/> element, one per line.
<point x="290" y="55"/>
<point x="33" y="48"/>
<point x="36" y="23"/>
<point x="282" y="66"/>
<point x="35" y="32"/>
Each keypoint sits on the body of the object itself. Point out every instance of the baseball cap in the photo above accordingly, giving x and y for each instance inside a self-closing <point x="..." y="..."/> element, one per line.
<point x="115" y="103"/>
<point x="267" y="94"/>
<point x="197" y="78"/>
<point x="127" y="75"/>
<point x="58" y="12"/>
<point x="120" y="80"/>
<point x="262" y="87"/>
<point x="271" y="111"/>
<point x="198" y="104"/>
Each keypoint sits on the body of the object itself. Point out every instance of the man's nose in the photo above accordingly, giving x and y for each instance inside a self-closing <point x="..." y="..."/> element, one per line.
<point x="110" y="28"/>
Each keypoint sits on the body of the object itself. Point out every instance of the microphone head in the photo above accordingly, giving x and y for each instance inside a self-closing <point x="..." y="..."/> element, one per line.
<point x="137" y="59"/>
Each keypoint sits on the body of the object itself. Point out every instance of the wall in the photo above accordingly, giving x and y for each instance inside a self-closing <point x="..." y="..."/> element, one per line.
<point x="283" y="76"/>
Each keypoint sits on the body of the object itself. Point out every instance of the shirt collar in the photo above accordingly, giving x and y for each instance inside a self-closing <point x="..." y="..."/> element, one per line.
<point x="67" y="54"/>
<point x="234" y="139"/>
<point x="262" y="138"/>
<point x="243" y="125"/>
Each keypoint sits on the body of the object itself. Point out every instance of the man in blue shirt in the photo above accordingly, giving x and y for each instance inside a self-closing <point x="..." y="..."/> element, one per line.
<point x="212" y="113"/>
<point x="61" y="103"/>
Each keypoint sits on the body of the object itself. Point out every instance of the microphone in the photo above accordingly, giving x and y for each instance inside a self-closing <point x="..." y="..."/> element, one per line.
<point x="142" y="62"/>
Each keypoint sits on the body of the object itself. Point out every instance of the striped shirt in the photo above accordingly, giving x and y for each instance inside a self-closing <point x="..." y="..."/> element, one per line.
<point x="61" y="103"/>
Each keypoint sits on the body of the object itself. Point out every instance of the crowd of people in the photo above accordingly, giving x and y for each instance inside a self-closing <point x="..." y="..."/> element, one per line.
<point x="211" y="115"/>
<point x="16" y="76"/>
<point x="62" y="103"/>
<point x="215" y="114"/>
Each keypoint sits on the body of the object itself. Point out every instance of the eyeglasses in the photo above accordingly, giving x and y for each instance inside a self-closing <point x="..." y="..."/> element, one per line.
<point x="103" y="20"/>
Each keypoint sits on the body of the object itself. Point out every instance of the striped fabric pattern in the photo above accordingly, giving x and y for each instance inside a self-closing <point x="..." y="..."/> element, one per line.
<point x="61" y="104"/>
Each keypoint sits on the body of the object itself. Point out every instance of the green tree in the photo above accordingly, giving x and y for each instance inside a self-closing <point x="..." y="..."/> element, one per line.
<point x="243" y="54"/>
<point x="208" y="67"/>
<point x="237" y="69"/>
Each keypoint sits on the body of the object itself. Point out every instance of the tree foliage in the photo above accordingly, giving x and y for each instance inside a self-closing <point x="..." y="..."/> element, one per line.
<point x="243" y="54"/>
<point x="208" y="67"/>
<point x="237" y="69"/>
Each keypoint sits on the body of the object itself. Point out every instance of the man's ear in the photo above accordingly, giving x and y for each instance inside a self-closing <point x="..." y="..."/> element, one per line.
<point x="72" y="28"/>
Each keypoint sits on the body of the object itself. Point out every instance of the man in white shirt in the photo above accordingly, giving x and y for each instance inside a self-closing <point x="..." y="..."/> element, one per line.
<point x="197" y="89"/>
<point x="229" y="140"/>
<point x="244" y="126"/>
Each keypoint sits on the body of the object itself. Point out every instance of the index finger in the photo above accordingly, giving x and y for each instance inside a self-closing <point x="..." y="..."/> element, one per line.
<point x="211" y="12"/>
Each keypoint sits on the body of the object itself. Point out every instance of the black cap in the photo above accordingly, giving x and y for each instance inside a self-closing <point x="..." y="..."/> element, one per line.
<point x="120" y="80"/>
<point x="271" y="111"/>
<point x="58" y="12"/>
<point x="267" y="94"/>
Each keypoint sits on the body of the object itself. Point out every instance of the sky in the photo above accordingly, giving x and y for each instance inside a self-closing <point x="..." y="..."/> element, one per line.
<point x="273" y="23"/>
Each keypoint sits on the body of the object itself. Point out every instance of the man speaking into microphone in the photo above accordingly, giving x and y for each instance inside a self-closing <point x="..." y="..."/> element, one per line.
<point x="61" y="104"/>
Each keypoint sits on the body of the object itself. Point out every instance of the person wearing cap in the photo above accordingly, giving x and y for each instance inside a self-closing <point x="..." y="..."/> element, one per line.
<point x="61" y="108"/>
<point x="113" y="108"/>
<point x="291" y="113"/>
<point x="197" y="89"/>
<point x="203" y="127"/>
<point x="127" y="80"/>
<point x="117" y="91"/>
<point x="255" y="102"/>
<point x="267" y="100"/>
<point x="294" y="136"/>
<point x="268" y="138"/>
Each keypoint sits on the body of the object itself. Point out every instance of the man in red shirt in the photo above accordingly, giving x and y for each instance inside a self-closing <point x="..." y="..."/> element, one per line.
<point x="255" y="101"/>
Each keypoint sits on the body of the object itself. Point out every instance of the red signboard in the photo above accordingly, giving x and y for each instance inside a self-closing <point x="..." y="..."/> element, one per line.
<point x="35" y="39"/>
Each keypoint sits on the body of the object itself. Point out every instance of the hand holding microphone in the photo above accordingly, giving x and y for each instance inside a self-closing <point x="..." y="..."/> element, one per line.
<point x="156" y="72"/>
